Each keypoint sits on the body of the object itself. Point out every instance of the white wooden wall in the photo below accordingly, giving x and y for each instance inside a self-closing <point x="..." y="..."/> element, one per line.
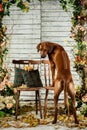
<point x="45" y="21"/>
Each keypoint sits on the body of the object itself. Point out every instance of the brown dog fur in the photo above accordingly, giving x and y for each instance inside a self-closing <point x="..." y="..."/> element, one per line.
<point x="60" y="62"/>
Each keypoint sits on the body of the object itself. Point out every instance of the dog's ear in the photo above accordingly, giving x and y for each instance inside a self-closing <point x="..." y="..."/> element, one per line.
<point x="50" y="49"/>
<point x="38" y="47"/>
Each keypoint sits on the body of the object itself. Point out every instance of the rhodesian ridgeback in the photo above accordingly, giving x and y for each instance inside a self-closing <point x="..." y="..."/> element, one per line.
<point x="60" y="62"/>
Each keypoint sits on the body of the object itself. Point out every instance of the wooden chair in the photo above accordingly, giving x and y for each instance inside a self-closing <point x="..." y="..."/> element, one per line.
<point x="19" y="63"/>
<point x="44" y="68"/>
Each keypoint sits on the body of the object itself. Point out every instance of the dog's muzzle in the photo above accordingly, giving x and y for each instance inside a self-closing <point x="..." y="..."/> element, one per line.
<point x="43" y="56"/>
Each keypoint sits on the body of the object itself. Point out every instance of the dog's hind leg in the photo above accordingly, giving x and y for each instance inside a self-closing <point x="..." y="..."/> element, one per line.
<point x="66" y="102"/>
<point x="71" y="91"/>
<point x="57" y="90"/>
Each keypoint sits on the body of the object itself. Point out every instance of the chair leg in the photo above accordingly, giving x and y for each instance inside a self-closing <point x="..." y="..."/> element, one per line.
<point x="36" y="102"/>
<point x="39" y="104"/>
<point x="17" y="103"/>
<point x="45" y="104"/>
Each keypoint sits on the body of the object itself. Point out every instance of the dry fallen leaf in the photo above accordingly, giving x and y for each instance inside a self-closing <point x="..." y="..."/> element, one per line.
<point x="43" y="122"/>
<point x="17" y="124"/>
<point x="61" y="117"/>
<point x="70" y="125"/>
<point x="6" y="125"/>
<point x="66" y="119"/>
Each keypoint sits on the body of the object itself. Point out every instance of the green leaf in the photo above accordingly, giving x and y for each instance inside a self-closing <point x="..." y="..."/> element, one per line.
<point x="2" y="114"/>
<point x="28" y="0"/>
<point x="25" y="9"/>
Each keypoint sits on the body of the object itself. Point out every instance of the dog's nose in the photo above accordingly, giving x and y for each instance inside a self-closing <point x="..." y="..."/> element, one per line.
<point x="43" y="56"/>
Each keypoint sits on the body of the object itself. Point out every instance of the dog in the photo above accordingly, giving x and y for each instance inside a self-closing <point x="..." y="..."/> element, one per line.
<point x="60" y="62"/>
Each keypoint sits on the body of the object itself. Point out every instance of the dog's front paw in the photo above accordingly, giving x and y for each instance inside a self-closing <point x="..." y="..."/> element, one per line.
<point x="54" y="121"/>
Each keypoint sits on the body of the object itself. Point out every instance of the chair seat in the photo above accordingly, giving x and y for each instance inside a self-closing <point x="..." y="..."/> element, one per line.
<point x="29" y="89"/>
<point x="49" y="87"/>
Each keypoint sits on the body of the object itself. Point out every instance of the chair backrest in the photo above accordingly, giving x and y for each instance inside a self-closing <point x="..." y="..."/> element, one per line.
<point x="42" y="65"/>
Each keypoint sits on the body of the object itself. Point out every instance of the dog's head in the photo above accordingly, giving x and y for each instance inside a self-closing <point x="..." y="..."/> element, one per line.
<point x="44" y="48"/>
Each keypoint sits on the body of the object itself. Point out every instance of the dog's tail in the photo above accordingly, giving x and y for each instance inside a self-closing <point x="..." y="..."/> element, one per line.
<point x="66" y="96"/>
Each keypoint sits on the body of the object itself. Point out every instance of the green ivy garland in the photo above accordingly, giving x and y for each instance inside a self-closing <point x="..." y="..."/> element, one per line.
<point x="75" y="5"/>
